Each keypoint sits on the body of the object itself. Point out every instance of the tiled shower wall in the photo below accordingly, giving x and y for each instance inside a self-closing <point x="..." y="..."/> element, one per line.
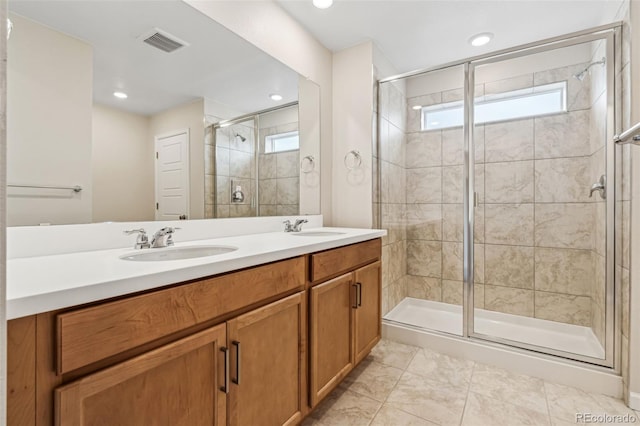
<point x="535" y="242"/>
<point x="390" y="197"/>
<point x="230" y="160"/>
<point x="535" y="219"/>
<point x="278" y="176"/>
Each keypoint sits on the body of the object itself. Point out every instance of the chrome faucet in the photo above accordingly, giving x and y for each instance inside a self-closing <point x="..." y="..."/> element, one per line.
<point x="162" y="237"/>
<point x="142" y="242"/>
<point x="600" y="186"/>
<point x="294" y="227"/>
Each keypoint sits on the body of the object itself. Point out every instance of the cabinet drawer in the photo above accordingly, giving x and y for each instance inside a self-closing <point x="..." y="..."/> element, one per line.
<point x="91" y="334"/>
<point x="334" y="262"/>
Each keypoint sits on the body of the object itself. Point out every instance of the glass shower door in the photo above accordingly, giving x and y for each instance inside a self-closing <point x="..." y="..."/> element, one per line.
<point x="540" y="186"/>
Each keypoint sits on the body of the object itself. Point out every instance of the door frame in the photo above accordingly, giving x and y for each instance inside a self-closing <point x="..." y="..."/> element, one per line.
<point x="156" y="138"/>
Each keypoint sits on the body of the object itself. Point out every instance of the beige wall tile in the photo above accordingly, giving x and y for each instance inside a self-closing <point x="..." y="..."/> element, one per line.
<point x="563" y="180"/>
<point x="509" y="141"/>
<point x="564" y="271"/>
<point x="240" y="164"/>
<point x="452" y="292"/>
<point x="510" y="224"/>
<point x="564" y="225"/>
<point x="287" y="164"/>
<point x="287" y="190"/>
<point x="424" y="288"/>
<point x="452" y="218"/>
<point x="222" y="161"/>
<point x="508" y="84"/>
<point x="424" y="222"/>
<point x="479" y="263"/>
<point x="424" y="185"/>
<point x="287" y="210"/>
<point x="424" y="149"/>
<point x="267" y="189"/>
<point x="515" y="301"/>
<point x="563" y="308"/>
<point x="267" y="166"/>
<point x="452" y="146"/>
<point x="562" y="135"/>
<point x="578" y="92"/>
<point x="509" y="266"/>
<point x="452" y="261"/>
<point x="396" y="146"/>
<point x="510" y="182"/>
<point x="452" y="184"/>
<point x="424" y="258"/>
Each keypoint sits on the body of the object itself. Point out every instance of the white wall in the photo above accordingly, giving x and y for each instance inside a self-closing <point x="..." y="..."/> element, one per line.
<point x="49" y="98"/>
<point x="188" y="116"/>
<point x="3" y="223"/>
<point x="279" y="117"/>
<point x="265" y="25"/>
<point x="352" y="130"/>
<point x="122" y="164"/>
<point x="309" y="128"/>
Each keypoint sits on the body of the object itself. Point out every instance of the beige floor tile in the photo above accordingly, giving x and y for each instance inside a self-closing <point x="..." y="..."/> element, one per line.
<point x="344" y="408"/>
<point x="432" y="400"/>
<point x="393" y="354"/>
<point x="517" y="389"/>
<point x="389" y="416"/>
<point x="441" y="367"/>
<point x="372" y="379"/>
<point x="481" y="410"/>
<point x="566" y="402"/>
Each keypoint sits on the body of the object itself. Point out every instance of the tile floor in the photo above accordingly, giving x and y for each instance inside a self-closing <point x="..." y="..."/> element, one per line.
<point x="400" y="385"/>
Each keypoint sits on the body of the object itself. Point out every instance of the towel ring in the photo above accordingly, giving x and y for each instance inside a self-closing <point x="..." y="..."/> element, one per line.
<point x="307" y="165"/>
<point x="353" y="160"/>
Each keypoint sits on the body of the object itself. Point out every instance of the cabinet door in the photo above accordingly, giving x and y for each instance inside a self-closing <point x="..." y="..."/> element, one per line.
<point x="331" y="335"/>
<point x="368" y="314"/>
<point x="177" y="384"/>
<point x="268" y="352"/>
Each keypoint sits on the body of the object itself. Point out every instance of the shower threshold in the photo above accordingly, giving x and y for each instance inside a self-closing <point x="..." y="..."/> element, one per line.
<point x="447" y="318"/>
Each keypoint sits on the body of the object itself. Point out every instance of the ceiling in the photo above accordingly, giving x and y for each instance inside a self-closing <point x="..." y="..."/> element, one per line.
<point x="217" y="64"/>
<point x="414" y="35"/>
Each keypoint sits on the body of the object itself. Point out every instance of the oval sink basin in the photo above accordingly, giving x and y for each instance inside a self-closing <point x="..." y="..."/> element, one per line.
<point x="177" y="253"/>
<point x="316" y="233"/>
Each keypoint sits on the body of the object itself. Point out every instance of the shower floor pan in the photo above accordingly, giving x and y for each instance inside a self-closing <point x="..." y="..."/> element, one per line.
<point x="447" y="318"/>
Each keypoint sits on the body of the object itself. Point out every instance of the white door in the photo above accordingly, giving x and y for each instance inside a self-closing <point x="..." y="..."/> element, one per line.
<point x="172" y="176"/>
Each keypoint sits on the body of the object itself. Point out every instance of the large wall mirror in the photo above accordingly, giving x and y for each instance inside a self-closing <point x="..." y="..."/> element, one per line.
<point x="150" y="110"/>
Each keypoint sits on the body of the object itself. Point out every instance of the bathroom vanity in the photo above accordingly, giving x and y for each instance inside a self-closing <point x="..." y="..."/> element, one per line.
<point x="255" y="345"/>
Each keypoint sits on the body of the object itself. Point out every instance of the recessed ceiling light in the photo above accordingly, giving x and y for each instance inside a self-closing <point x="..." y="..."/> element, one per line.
<point x="481" y="39"/>
<point x="416" y="107"/>
<point x="275" y="97"/>
<point x="322" y="4"/>
<point x="120" y="95"/>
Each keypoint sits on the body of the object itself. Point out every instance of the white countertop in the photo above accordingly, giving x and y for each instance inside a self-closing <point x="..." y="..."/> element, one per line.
<point x="46" y="283"/>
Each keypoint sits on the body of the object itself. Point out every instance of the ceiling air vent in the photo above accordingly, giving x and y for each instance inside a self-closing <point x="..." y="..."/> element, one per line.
<point x="163" y="40"/>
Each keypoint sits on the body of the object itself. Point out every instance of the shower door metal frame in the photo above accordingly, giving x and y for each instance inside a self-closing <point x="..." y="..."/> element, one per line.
<point x="612" y="322"/>
<point x="611" y="33"/>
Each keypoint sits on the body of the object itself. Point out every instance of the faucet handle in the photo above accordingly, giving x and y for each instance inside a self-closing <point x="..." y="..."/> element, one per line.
<point x="288" y="226"/>
<point x="142" y="241"/>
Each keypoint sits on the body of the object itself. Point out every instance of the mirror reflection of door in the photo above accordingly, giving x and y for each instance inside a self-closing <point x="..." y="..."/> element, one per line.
<point x="172" y="176"/>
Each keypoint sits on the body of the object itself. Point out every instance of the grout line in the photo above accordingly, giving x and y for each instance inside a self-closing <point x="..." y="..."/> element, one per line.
<point x="473" y="369"/>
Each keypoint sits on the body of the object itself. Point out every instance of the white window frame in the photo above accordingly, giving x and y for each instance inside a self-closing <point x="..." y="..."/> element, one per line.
<point x="269" y="141"/>
<point x="457" y="107"/>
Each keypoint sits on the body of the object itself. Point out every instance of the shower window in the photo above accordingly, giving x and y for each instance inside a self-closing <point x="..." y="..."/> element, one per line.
<point x="281" y="142"/>
<point x="530" y="102"/>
